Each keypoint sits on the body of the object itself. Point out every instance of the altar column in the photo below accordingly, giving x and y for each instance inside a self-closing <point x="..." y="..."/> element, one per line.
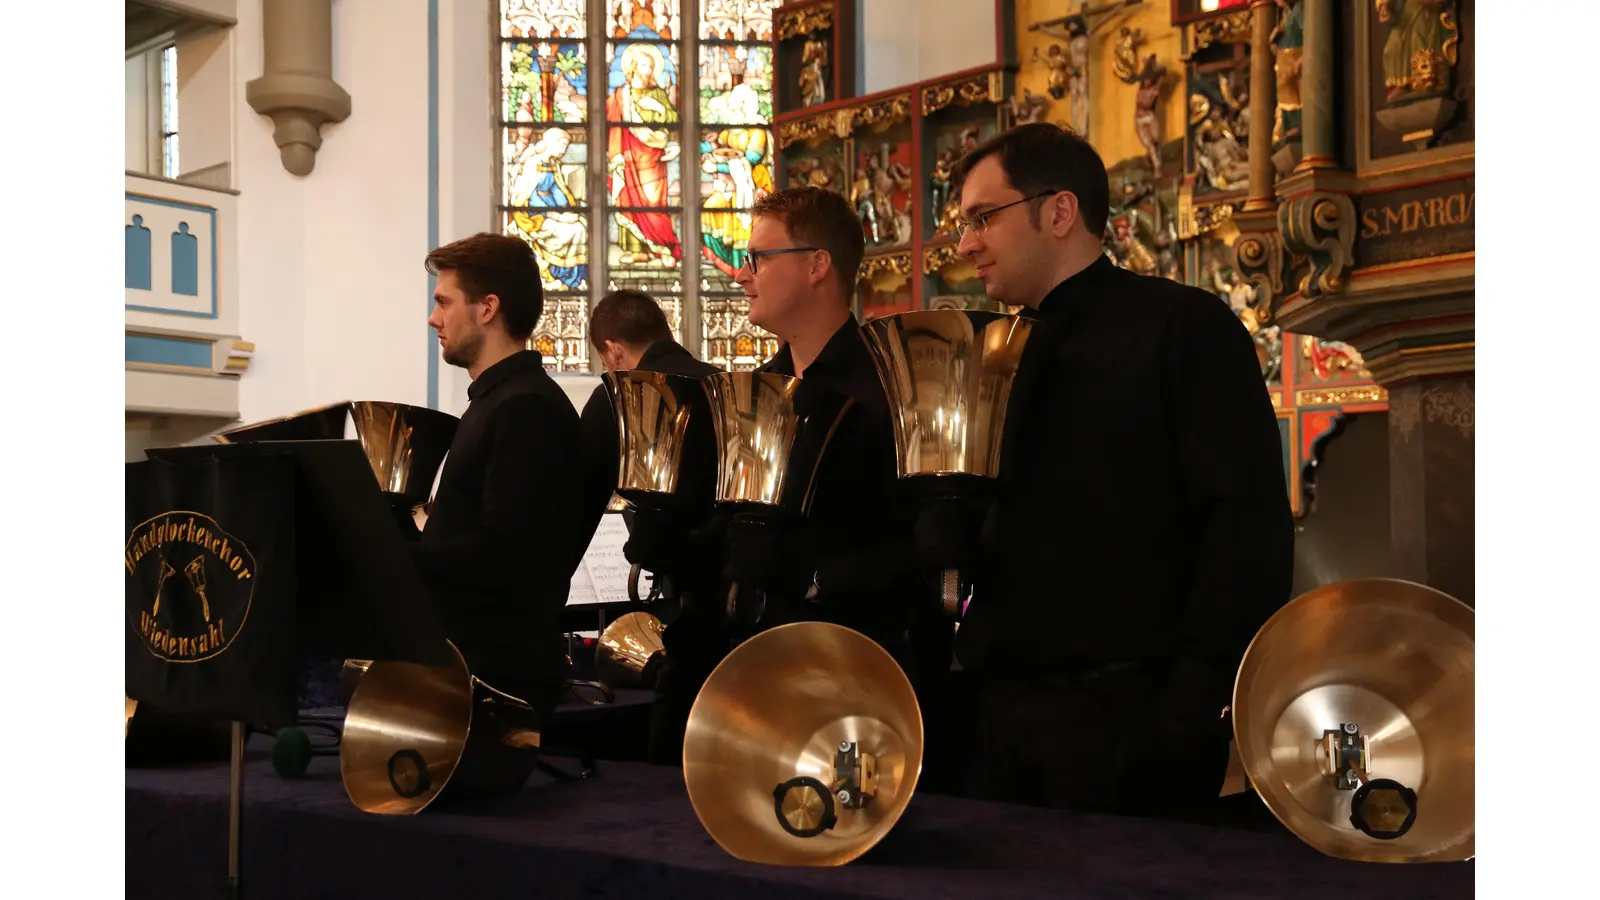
<point x="1317" y="87"/>
<point x="1258" y="251"/>
<point x="1263" y="103"/>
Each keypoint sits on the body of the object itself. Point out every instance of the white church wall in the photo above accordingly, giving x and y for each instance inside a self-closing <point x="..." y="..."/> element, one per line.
<point x="945" y="36"/>
<point x="331" y="264"/>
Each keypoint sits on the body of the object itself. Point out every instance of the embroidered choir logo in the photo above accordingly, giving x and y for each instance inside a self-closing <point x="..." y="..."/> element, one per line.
<point x="189" y="585"/>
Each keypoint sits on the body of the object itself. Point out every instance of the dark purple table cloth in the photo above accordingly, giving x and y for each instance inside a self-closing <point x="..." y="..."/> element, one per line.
<point x="630" y="832"/>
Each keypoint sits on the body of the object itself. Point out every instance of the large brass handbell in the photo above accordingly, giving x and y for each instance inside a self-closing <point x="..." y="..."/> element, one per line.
<point x="950" y="377"/>
<point x="405" y="444"/>
<point x="630" y="653"/>
<point x="1353" y="717"/>
<point x="803" y="747"/>
<point x="771" y="433"/>
<point x="417" y="736"/>
<point x="660" y="418"/>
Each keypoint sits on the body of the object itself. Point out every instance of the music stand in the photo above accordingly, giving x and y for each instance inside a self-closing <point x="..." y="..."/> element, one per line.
<point x="357" y="591"/>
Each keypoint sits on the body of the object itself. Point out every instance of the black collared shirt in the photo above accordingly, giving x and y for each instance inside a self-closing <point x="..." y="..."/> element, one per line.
<point x="857" y="536"/>
<point x="1144" y="514"/>
<point x="498" y="549"/>
<point x="600" y="434"/>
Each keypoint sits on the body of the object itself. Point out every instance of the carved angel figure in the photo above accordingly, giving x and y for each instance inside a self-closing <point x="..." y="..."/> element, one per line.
<point x="1059" y="66"/>
<point x="1125" y="56"/>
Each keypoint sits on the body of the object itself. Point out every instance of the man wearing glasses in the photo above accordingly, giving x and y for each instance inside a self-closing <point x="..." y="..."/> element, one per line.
<point x="1143" y="532"/>
<point x="851" y="561"/>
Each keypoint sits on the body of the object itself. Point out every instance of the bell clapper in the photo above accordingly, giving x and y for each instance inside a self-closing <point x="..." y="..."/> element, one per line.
<point x="1347" y="754"/>
<point x="1381" y="807"/>
<point x="855" y="776"/>
<point x="806" y="807"/>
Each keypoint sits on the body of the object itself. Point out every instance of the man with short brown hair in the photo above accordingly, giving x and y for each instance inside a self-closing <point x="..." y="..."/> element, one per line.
<point x="498" y="550"/>
<point x="850" y="561"/>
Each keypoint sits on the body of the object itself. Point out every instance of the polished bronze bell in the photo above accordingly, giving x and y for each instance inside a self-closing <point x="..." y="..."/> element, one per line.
<point x="405" y="445"/>
<point x="1353" y="719"/>
<point x="803" y="747"/>
<point x="416" y="736"/>
<point x="630" y="653"/>
<point x="771" y="433"/>
<point x="655" y="415"/>
<point x="951" y="377"/>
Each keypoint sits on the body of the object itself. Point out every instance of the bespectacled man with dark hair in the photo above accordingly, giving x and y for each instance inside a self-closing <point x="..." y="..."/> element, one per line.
<point x="1142" y="534"/>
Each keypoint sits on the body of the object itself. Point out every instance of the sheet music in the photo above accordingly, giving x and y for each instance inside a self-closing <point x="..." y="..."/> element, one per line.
<point x="603" y="575"/>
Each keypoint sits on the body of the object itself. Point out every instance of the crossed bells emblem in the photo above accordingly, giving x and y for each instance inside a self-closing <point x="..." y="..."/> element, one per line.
<point x="195" y="571"/>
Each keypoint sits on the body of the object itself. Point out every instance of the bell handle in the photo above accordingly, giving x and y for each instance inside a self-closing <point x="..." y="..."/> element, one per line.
<point x="634" y="575"/>
<point x="606" y="694"/>
<point x="515" y="701"/>
<point x="740" y="602"/>
<point x="950" y="592"/>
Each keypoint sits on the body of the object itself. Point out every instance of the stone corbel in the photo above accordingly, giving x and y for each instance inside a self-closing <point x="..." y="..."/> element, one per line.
<point x="1321" y="226"/>
<point x="296" y="88"/>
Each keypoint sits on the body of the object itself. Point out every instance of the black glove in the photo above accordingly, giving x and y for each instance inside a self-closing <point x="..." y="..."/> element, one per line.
<point x="655" y="542"/>
<point x="947" y="533"/>
<point x="760" y="555"/>
<point x="404" y="518"/>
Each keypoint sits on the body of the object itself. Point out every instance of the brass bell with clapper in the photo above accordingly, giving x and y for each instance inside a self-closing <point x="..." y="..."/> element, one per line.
<point x="803" y="747"/>
<point x="1353" y="719"/>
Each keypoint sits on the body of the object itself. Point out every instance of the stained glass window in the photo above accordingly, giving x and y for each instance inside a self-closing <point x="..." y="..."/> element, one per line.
<point x="735" y="102"/>
<point x="545" y="162"/>
<point x="672" y="205"/>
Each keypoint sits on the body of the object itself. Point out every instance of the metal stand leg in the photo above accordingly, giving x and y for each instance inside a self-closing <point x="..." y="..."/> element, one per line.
<point x="235" y="809"/>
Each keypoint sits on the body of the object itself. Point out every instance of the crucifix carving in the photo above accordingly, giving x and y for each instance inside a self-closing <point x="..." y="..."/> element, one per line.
<point x="1069" y="68"/>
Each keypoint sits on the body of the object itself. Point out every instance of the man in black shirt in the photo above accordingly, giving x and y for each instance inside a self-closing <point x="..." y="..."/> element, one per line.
<point x="630" y="332"/>
<point x="498" y="550"/>
<point x="850" y="561"/>
<point x="1142" y="533"/>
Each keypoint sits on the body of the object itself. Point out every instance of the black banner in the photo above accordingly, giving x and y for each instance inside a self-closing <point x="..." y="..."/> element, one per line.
<point x="210" y="566"/>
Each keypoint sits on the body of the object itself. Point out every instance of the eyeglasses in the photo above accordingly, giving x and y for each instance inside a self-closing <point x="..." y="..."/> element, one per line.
<point x="979" y="223"/>
<point x="751" y="256"/>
